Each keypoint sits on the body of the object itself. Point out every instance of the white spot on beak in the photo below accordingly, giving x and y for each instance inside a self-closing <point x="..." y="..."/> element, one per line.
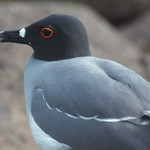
<point x="22" y="32"/>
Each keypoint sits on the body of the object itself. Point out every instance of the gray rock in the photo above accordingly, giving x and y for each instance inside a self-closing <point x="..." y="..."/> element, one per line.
<point x="105" y="42"/>
<point x="119" y="11"/>
<point x="138" y="32"/>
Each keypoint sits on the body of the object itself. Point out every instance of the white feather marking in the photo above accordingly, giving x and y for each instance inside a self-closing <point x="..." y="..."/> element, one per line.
<point x="22" y="32"/>
<point x="71" y="116"/>
<point x="115" y="119"/>
<point x="94" y="117"/>
<point x="145" y="122"/>
<point x="87" y="118"/>
<point x="147" y="112"/>
<point x="111" y="120"/>
<point x="108" y="119"/>
<point x="47" y="103"/>
<point x="58" y="110"/>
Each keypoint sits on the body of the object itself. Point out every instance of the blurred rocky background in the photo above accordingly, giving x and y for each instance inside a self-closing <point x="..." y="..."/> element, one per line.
<point x="117" y="29"/>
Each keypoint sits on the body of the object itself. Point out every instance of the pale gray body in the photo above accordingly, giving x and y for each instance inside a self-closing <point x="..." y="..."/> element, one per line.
<point x="87" y="103"/>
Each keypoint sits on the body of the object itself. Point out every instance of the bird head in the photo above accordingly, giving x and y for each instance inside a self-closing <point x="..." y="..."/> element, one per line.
<point x="55" y="37"/>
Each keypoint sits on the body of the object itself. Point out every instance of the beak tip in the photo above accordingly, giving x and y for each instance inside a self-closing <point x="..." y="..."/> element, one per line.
<point x="13" y="36"/>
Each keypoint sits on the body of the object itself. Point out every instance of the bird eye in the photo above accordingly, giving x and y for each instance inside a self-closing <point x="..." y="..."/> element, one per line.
<point x="46" y="32"/>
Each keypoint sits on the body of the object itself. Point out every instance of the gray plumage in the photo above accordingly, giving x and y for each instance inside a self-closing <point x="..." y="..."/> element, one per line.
<point x="89" y="87"/>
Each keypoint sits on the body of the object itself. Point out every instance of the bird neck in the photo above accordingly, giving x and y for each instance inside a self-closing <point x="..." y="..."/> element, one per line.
<point x="61" y="54"/>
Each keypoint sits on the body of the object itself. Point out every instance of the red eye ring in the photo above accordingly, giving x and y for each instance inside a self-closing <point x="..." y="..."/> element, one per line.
<point x="41" y="32"/>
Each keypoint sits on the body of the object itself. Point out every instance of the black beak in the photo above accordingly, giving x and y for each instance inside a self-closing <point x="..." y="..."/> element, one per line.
<point x="13" y="36"/>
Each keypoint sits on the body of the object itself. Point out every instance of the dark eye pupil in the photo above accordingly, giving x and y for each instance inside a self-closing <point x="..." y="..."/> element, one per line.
<point x="46" y="32"/>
